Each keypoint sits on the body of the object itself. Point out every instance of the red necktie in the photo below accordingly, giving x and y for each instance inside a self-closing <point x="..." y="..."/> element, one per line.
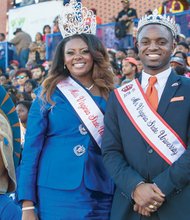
<point x="152" y="93"/>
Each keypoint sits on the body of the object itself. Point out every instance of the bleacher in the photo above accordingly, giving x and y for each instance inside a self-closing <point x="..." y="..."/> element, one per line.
<point x="105" y="32"/>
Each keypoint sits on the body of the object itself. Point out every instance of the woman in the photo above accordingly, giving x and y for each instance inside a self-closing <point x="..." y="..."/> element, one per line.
<point x="46" y="30"/>
<point x="22" y="109"/>
<point x="37" y="52"/>
<point x="62" y="170"/>
<point x="29" y="86"/>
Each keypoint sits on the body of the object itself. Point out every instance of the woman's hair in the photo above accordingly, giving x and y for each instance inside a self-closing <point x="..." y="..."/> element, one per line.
<point x="101" y="73"/>
<point x="26" y="103"/>
<point x="23" y="70"/>
<point x="45" y="26"/>
<point x="32" y="82"/>
<point x="40" y="34"/>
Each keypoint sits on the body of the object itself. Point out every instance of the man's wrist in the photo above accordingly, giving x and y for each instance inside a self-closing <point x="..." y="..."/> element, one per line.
<point x="132" y="194"/>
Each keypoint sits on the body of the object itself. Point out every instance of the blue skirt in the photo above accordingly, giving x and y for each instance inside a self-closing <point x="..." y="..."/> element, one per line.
<point x="78" y="204"/>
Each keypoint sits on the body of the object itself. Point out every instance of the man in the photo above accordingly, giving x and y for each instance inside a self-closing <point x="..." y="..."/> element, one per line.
<point x="38" y="73"/>
<point x="129" y="69"/>
<point x="124" y="25"/>
<point x="21" y="41"/>
<point x="147" y="132"/>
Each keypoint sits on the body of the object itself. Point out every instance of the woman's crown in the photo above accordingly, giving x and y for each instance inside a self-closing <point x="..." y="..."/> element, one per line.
<point x="76" y="19"/>
<point x="156" y="18"/>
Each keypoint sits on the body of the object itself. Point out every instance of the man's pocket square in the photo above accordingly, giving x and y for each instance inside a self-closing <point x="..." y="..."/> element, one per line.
<point x="176" y="99"/>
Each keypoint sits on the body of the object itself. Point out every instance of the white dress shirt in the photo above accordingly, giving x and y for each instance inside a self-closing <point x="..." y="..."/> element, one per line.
<point x="162" y="78"/>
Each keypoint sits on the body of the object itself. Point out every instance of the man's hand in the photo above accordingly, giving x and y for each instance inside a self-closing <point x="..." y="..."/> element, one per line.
<point x="148" y="196"/>
<point x="141" y="210"/>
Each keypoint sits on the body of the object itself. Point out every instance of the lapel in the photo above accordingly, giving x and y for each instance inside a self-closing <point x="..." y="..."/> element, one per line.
<point x="170" y="89"/>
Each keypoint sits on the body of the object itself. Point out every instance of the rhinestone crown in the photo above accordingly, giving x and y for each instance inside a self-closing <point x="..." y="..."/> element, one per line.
<point x="156" y="18"/>
<point x="76" y="19"/>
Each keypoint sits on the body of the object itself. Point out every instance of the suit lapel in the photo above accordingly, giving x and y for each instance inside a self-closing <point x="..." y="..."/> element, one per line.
<point x="170" y="89"/>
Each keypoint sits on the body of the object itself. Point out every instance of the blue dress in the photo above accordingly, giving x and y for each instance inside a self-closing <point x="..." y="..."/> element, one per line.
<point x="8" y="209"/>
<point x="63" y="184"/>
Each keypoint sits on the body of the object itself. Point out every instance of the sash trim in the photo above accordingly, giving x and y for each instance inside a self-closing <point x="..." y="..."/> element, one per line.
<point x="85" y="107"/>
<point x="140" y="130"/>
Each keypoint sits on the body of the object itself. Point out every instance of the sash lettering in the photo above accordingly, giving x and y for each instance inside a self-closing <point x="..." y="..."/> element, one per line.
<point x="159" y="135"/>
<point x="86" y="108"/>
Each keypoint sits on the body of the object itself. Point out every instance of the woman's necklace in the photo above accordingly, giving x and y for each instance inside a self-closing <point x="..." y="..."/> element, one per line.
<point x="90" y="87"/>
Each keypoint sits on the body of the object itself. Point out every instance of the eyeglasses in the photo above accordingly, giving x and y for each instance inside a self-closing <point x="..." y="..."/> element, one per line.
<point x="20" y="77"/>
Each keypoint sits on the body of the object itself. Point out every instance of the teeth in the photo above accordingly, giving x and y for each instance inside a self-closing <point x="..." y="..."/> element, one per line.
<point x="153" y="55"/>
<point x="79" y="65"/>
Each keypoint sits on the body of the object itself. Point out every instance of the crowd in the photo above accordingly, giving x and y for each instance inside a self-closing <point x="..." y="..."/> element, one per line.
<point x="68" y="167"/>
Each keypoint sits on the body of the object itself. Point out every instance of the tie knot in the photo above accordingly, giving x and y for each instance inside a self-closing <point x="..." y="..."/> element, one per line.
<point x="152" y="80"/>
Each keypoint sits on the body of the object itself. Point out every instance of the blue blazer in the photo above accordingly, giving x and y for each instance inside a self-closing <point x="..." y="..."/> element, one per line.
<point x="130" y="160"/>
<point x="48" y="157"/>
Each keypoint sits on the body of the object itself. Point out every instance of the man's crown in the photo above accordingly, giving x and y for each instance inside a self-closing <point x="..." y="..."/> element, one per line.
<point x="76" y="19"/>
<point x="156" y="18"/>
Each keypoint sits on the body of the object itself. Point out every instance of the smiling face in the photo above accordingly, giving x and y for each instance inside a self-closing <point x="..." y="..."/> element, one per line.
<point x="155" y="44"/>
<point x="21" y="78"/>
<point x="78" y="59"/>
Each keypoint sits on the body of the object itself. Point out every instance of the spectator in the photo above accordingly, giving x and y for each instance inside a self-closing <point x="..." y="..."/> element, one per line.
<point x="4" y="79"/>
<point x="37" y="50"/>
<point x="21" y="76"/>
<point x="2" y="37"/>
<point x="14" y="64"/>
<point x="119" y="56"/>
<point x="29" y="86"/>
<point x="129" y="69"/>
<point x="132" y="52"/>
<point x="124" y="25"/>
<point x="12" y="91"/>
<point x="23" y="96"/>
<point x="21" y="41"/>
<point x="22" y="108"/>
<point x="46" y="30"/>
<point x="38" y="74"/>
<point x="98" y="18"/>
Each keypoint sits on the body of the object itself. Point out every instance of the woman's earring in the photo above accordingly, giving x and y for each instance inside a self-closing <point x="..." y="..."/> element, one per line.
<point x="64" y="67"/>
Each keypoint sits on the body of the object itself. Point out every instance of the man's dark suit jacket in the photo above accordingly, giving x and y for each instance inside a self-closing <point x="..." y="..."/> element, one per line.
<point x="130" y="160"/>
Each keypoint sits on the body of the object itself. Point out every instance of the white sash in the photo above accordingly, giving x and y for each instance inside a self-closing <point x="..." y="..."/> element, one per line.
<point x="86" y="108"/>
<point x="159" y="135"/>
